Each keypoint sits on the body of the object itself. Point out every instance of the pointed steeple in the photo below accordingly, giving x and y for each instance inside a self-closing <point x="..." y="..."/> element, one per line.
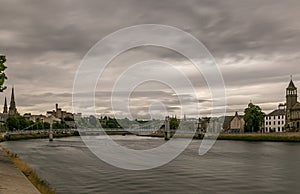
<point x="5" y="106"/>
<point x="291" y="84"/>
<point x="12" y="107"/>
<point x="12" y="99"/>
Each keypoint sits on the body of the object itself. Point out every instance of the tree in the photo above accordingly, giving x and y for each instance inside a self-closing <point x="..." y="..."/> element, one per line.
<point x="57" y="125"/>
<point x="17" y="123"/>
<point x="2" y="74"/>
<point x="174" y="123"/>
<point x="68" y="119"/>
<point x="12" y="123"/>
<point x="253" y="118"/>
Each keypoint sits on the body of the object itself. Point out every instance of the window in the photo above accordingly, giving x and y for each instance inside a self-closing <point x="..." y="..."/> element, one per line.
<point x="266" y="118"/>
<point x="274" y="122"/>
<point x="270" y="123"/>
<point x="278" y="122"/>
<point x="282" y="122"/>
<point x="279" y="117"/>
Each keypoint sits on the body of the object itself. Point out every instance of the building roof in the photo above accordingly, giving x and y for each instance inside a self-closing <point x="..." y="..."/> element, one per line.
<point x="292" y="85"/>
<point x="227" y="120"/>
<point x="277" y="112"/>
<point x="238" y="116"/>
<point x="296" y="106"/>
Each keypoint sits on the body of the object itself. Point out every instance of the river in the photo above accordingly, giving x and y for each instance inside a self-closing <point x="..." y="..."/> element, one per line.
<point x="229" y="167"/>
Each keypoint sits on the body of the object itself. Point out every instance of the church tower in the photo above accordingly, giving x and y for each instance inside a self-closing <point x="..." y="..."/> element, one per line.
<point x="291" y="100"/>
<point x="291" y="95"/>
<point x="5" y="107"/>
<point x="12" y="108"/>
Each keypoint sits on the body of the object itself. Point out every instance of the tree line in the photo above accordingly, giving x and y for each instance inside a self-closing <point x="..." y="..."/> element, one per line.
<point x="21" y="123"/>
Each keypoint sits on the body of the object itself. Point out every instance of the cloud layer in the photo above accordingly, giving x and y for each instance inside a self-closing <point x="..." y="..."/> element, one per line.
<point x="255" y="43"/>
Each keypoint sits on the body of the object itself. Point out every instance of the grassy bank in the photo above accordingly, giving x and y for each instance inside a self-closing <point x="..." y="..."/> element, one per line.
<point x="275" y="137"/>
<point x="41" y="185"/>
<point x="14" y="137"/>
<point x="177" y="135"/>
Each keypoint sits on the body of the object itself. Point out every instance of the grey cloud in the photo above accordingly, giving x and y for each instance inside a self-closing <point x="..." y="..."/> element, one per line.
<point x="256" y="43"/>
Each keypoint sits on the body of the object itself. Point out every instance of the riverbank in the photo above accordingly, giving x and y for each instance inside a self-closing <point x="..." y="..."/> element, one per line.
<point x="14" y="137"/>
<point x="274" y="137"/>
<point x="13" y="181"/>
<point x="30" y="175"/>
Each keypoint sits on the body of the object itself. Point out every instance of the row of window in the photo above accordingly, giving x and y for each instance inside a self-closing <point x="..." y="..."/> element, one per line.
<point x="274" y="117"/>
<point x="274" y="123"/>
<point x="279" y="129"/>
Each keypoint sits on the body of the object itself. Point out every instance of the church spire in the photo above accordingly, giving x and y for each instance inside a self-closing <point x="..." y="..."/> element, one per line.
<point x="12" y="108"/>
<point x="291" y="84"/>
<point x="12" y="99"/>
<point x="5" y="106"/>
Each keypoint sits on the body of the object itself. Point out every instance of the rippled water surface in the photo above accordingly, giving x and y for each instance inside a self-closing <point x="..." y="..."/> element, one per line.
<point x="229" y="167"/>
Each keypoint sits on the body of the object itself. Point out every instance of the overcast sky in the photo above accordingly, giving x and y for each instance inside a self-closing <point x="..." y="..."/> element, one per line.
<point x="255" y="43"/>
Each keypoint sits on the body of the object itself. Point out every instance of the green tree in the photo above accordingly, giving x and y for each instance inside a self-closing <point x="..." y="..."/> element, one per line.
<point x="57" y="125"/>
<point x="46" y="125"/>
<point x="174" y="123"/>
<point x="12" y="123"/>
<point x="2" y="74"/>
<point x="23" y="123"/>
<point x="68" y="119"/>
<point x="253" y="118"/>
<point x="17" y="123"/>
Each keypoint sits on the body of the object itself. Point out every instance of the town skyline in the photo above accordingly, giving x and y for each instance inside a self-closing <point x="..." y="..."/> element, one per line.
<point x="12" y="96"/>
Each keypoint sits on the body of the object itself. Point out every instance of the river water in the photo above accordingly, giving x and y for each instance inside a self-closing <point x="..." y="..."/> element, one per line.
<point x="229" y="167"/>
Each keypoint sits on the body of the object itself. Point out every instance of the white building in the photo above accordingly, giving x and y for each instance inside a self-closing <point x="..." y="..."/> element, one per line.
<point x="275" y="121"/>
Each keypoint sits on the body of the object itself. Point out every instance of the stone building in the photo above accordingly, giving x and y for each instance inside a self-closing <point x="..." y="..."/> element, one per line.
<point x="3" y="116"/>
<point x="41" y="118"/>
<point x="11" y="111"/>
<point x="234" y="124"/>
<point x="292" y="117"/>
<point x="64" y="116"/>
<point x="60" y="114"/>
<point x="237" y="124"/>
